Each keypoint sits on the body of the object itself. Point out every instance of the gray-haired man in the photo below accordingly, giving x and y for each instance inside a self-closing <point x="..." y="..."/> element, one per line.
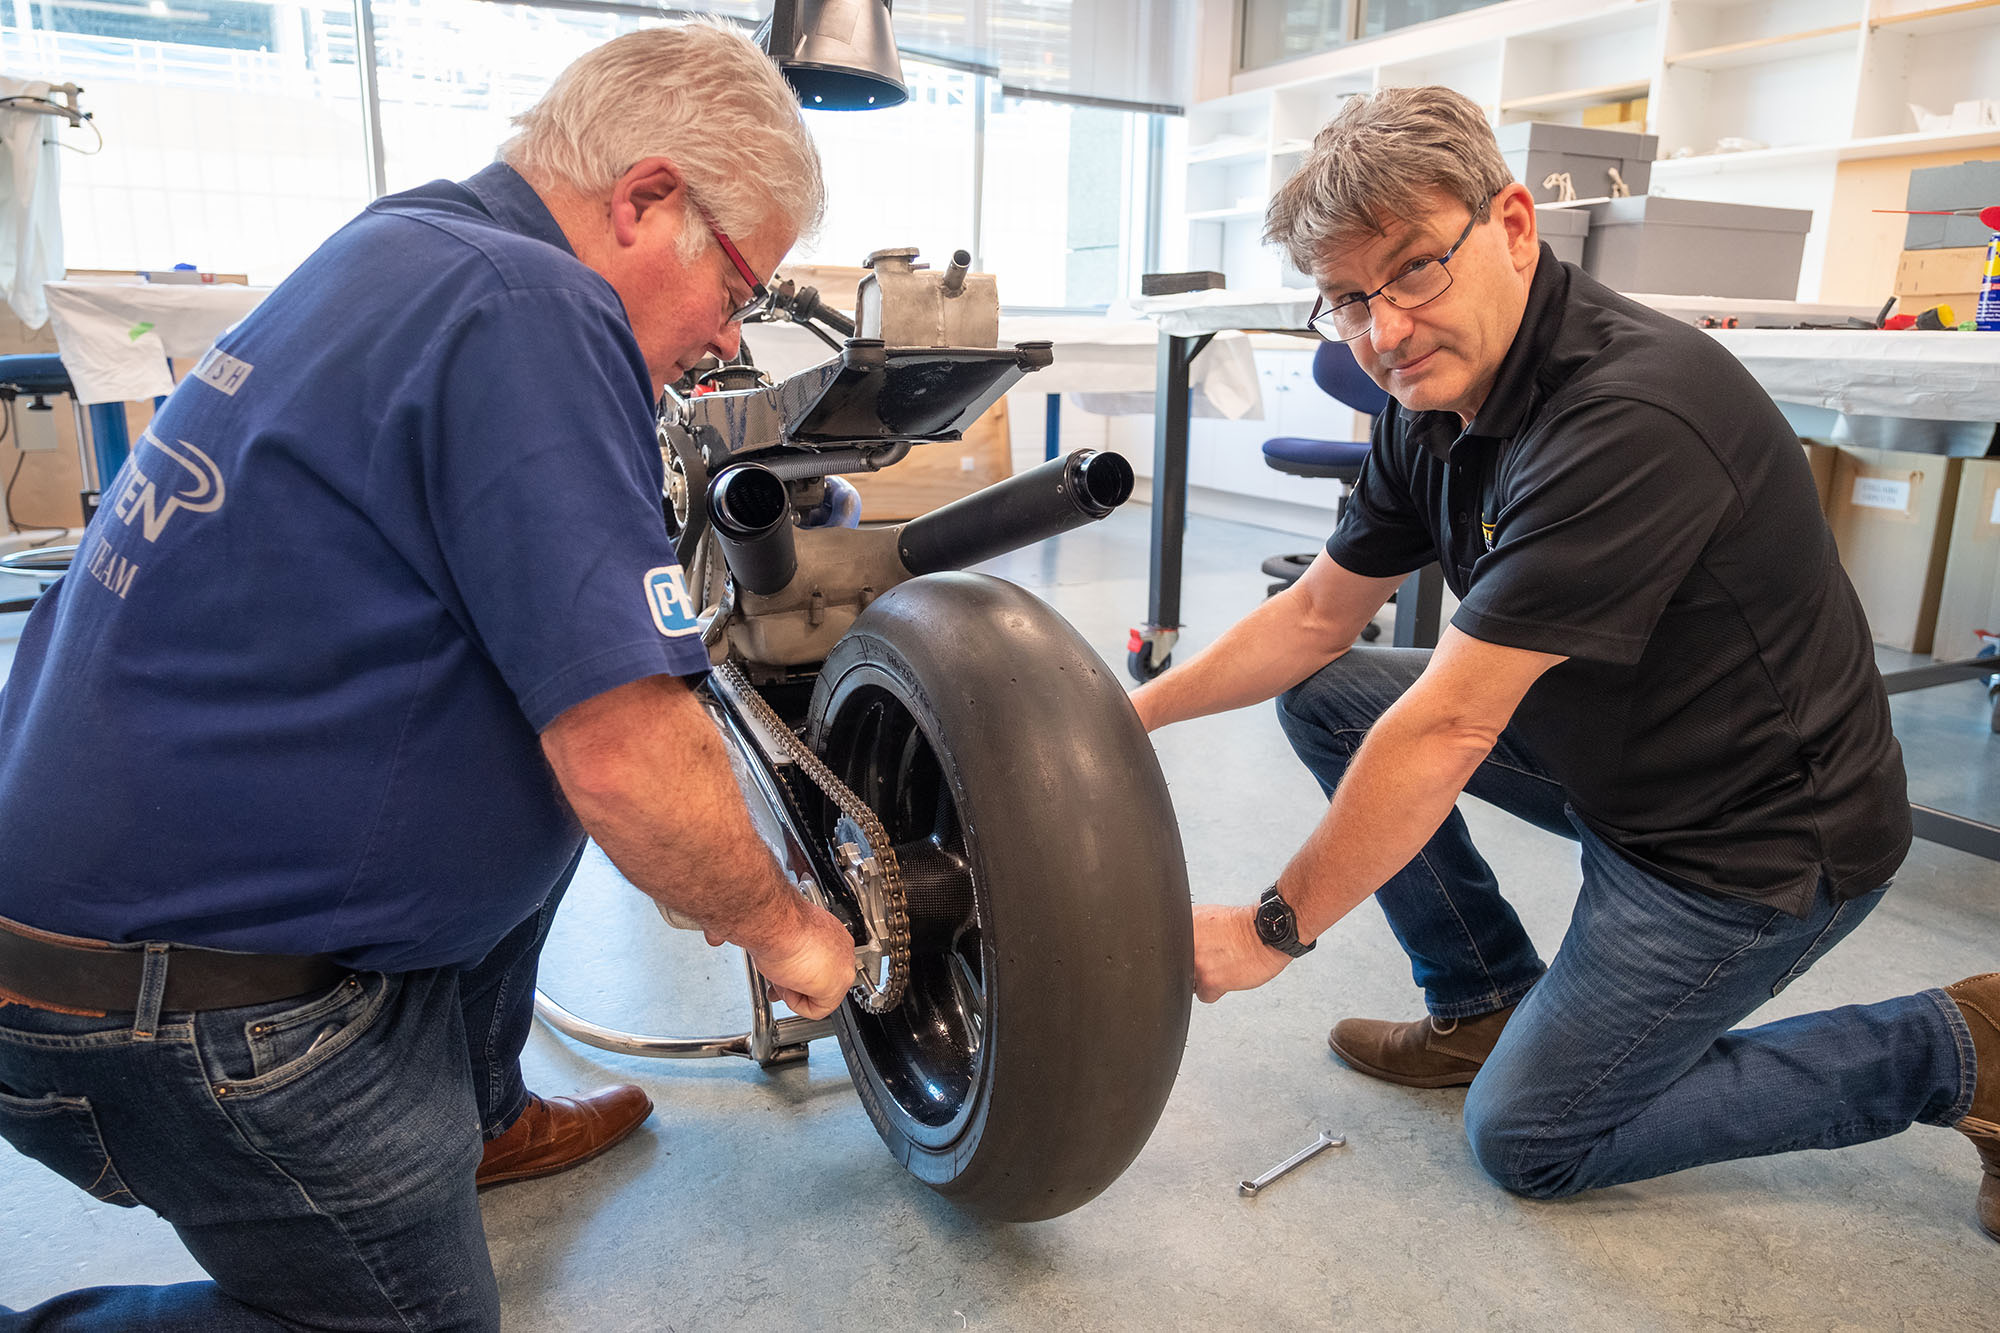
<point x="339" y="727"/>
<point x="1656" y="653"/>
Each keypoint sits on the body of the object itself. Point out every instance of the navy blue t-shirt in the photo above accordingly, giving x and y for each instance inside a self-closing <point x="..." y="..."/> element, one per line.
<point x="407" y="512"/>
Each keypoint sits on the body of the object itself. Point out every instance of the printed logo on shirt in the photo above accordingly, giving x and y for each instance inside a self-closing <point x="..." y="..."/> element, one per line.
<point x="673" y="610"/>
<point x="189" y="480"/>
<point x="222" y="371"/>
<point x="108" y="567"/>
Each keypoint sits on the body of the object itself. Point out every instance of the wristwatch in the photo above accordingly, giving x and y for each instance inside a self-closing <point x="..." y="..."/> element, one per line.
<point x="1278" y="925"/>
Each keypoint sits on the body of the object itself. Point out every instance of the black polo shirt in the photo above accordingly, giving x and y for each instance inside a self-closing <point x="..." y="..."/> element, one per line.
<point x="1629" y="497"/>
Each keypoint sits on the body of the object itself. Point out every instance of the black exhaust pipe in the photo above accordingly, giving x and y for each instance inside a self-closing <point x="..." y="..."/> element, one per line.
<point x="752" y="515"/>
<point x="1061" y="494"/>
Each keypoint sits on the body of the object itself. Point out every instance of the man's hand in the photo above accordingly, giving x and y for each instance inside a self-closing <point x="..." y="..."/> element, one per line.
<point x="1228" y="955"/>
<point x="648" y="776"/>
<point x="812" y="967"/>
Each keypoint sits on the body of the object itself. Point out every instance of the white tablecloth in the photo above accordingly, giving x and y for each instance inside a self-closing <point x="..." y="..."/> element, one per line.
<point x="1928" y="376"/>
<point x="1867" y="372"/>
<point x="115" y="338"/>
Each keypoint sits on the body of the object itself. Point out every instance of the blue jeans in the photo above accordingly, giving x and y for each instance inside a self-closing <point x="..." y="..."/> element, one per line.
<point x="1624" y="1060"/>
<point x="316" y="1155"/>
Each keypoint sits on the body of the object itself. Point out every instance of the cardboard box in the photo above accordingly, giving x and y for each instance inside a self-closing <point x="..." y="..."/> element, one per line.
<point x="1966" y="185"/>
<point x="1926" y="278"/>
<point x="931" y="475"/>
<point x="1970" y="599"/>
<point x="1940" y="272"/>
<point x="1820" y="458"/>
<point x="1891" y="517"/>
<point x="1629" y="116"/>
<point x="1964" y="305"/>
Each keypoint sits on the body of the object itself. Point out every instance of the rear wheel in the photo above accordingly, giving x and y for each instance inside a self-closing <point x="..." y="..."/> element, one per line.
<point x="1051" y="949"/>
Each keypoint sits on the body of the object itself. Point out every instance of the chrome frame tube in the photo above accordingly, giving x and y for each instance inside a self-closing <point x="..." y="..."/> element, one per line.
<point x="770" y="1040"/>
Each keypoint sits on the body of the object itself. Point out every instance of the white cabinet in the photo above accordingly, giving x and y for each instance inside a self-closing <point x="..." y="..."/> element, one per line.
<point x="1763" y="100"/>
<point x="1226" y="458"/>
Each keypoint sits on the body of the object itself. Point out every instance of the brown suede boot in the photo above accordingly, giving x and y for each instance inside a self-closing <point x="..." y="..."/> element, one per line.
<point x="557" y="1133"/>
<point x="1425" y="1053"/>
<point x="1978" y="998"/>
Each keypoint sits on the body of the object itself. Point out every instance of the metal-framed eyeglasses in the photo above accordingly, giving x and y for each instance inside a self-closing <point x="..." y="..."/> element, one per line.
<point x="1421" y="283"/>
<point x="760" y="296"/>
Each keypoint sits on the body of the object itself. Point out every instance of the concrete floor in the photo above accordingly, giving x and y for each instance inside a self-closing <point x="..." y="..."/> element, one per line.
<point x="758" y="1200"/>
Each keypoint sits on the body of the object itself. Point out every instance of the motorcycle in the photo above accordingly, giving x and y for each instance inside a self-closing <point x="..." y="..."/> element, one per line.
<point x="935" y="756"/>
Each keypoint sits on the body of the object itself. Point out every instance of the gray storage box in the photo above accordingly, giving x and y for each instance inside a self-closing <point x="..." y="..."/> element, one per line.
<point x="1694" y="247"/>
<point x="1564" y="229"/>
<point x="1966" y="185"/>
<point x="1535" y="150"/>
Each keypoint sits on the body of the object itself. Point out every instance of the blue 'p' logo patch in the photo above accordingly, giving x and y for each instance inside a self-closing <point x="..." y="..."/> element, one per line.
<point x="673" y="610"/>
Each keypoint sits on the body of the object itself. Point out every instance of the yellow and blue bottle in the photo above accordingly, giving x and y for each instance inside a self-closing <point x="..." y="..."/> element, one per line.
<point x="1988" y="315"/>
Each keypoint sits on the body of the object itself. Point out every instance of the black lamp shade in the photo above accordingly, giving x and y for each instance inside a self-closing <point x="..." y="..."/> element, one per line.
<point x="839" y="55"/>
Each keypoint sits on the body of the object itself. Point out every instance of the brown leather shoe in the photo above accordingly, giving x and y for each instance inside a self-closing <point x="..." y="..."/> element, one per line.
<point x="1978" y="998"/>
<point x="1420" y="1054"/>
<point x="557" y="1133"/>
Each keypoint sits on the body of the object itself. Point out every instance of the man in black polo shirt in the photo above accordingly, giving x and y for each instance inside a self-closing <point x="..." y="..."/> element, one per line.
<point x="1655" y="653"/>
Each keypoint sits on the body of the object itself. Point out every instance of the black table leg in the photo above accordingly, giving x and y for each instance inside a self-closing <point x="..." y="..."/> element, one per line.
<point x="1419" y="606"/>
<point x="1949" y="830"/>
<point x="1150" y="648"/>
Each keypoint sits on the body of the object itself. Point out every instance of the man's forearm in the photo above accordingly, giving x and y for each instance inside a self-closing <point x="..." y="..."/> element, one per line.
<point x="648" y="777"/>
<point x="1280" y="643"/>
<point x="1397" y="790"/>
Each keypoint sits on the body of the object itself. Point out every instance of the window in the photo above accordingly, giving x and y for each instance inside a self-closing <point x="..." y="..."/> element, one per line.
<point x="1063" y="202"/>
<point x="1380" y="16"/>
<point x="1275" y="30"/>
<point x="235" y="138"/>
<point x="452" y="74"/>
<point x="900" y="176"/>
<point x="232" y="132"/>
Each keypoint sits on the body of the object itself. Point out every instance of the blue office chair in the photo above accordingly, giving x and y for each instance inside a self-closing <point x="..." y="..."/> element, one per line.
<point x="1336" y="371"/>
<point x="37" y="376"/>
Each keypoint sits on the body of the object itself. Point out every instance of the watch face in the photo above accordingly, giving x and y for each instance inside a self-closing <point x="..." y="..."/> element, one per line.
<point x="1274" y="920"/>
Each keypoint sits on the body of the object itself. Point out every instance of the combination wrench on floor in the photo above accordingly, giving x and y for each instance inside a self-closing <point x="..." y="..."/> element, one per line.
<point x="1249" y="1188"/>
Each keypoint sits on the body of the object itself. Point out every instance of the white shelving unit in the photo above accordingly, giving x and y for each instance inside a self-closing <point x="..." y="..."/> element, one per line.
<point x="1229" y="166"/>
<point x="1554" y="73"/>
<point x="1820" y="83"/>
<point x="1763" y="100"/>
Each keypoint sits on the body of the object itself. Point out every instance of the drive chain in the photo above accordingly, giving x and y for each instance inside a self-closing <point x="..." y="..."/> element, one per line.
<point x="895" y="903"/>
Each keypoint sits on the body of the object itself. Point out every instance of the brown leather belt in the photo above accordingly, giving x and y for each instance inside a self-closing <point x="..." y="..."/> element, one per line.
<point x="68" y="973"/>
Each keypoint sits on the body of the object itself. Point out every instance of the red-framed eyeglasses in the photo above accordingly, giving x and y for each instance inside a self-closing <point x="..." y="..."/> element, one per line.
<point x="759" y="294"/>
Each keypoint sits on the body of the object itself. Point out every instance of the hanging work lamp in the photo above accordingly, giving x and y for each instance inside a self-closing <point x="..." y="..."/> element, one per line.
<point x="839" y="55"/>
